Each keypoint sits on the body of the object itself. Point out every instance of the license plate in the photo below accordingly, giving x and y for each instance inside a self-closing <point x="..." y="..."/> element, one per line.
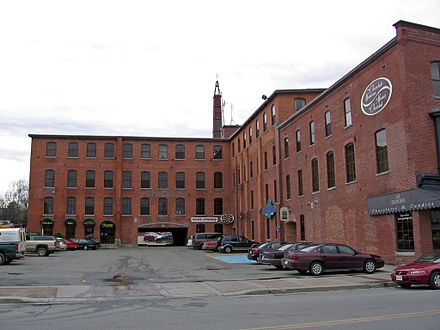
<point x="399" y="278"/>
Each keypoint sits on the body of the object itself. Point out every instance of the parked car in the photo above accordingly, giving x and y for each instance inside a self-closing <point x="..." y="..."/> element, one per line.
<point x="62" y="246"/>
<point x="200" y="238"/>
<point x="42" y="245"/>
<point x="71" y="245"/>
<point x="150" y="237"/>
<point x="210" y="245"/>
<point x="425" y="270"/>
<point x="190" y="241"/>
<point x="8" y="252"/>
<point x="230" y="243"/>
<point x="255" y="250"/>
<point x="317" y="258"/>
<point x="165" y="237"/>
<point x="274" y="257"/>
<point x="86" y="244"/>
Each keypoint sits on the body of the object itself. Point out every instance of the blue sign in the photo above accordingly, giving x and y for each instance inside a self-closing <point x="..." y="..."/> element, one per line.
<point x="270" y="209"/>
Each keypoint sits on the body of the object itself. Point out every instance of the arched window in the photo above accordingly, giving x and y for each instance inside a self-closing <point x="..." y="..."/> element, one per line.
<point x="49" y="179"/>
<point x="89" y="206"/>
<point x="180" y="151"/>
<point x="73" y="150"/>
<point x="218" y="206"/>
<point x="163" y="206"/>
<point x="200" y="180"/>
<point x="51" y="149"/>
<point x="200" y="152"/>
<point x="200" y="206"/>
<point x="126" y="179"/>
<point x="315" y="175"/>
<point x="163" y="151"/>
<point x="163" y="180"/>
<point x="180" y="180"/>
<point x="350" y="162"/>
<point x="218" y="180"/>
<point x="145" y="206"/>
<point x="330" y="169"/>
<point x="381" y="151"/>
<point x="126" y="206"/>
<point x="180" y="206"/>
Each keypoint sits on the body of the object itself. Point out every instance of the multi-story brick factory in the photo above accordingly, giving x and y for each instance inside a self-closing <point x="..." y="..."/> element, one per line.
<point x="355" y="163"/>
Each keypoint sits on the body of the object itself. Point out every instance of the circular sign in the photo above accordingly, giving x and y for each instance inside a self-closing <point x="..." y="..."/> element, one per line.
<point x="376" y="96"/>
<point x="227" y="219"/>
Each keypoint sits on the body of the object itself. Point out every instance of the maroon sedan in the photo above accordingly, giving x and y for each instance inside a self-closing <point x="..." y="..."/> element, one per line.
<point x="425" y="270"/>
<point x="319" y="257"/>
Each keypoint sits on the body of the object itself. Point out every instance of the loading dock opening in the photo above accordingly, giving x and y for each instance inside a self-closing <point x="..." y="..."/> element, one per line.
<point x="179" y="231"/>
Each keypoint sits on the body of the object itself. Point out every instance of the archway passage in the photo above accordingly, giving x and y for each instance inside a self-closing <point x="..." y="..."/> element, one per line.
<point x="179" y="232"/>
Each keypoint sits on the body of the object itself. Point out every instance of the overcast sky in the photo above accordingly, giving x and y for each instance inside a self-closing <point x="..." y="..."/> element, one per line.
<point x="148" y="68"/>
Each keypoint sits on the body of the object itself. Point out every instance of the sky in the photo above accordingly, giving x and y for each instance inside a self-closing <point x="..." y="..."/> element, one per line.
<point x="148" y="68"/>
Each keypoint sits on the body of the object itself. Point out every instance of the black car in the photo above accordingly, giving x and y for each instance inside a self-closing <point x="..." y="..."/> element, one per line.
<point x="230" y="243"/>
<point x="86" y="244"/>
<point x="256" y="250"/>
<point x="274" y="257"/>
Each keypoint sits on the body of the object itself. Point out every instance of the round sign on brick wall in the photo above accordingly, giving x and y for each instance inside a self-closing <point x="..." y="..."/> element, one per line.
<point x="376" y="96"/>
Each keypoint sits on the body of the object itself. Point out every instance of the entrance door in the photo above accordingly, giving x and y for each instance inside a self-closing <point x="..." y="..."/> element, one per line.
<point x="107" y="235"/>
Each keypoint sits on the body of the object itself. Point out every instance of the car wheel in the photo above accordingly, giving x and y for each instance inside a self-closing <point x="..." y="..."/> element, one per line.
<point x="85" y="247"/>
<point x="405" y="285"/>
<point x="42" y="252"/>
<point x="8" y="261"/>
<point x="279" y="267"/>
<point x="2" y="259"/>
<point x="369" y="266"/>
<point x="316" y="268"/>
<point x="302" y="271"/>
<point x="227" y="249"/>
<point x="434" y="280"/>
<point x="158" y="240"/>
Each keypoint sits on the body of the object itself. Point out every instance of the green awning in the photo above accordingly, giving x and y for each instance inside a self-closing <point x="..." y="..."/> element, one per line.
<point x="70" y="222"/>
<point x="107" y="224"/>
<point x="89" y="222"/>
<point x="47" y="222"/>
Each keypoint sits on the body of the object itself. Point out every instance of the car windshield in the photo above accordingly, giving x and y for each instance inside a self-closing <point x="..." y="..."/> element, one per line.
<point x="285" y="247"/>
<point x="309" y="248"/>
<point x="433" y="257"/>
<point x="263" y="245"/>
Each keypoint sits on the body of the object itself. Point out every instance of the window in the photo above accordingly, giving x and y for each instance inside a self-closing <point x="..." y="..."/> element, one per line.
<point x="89" y="208"/>
<point x="163" y="180"/>
<point x="200" y="180"/>
<point x="299" y="103"/>
<point x="180" y="206"/>
<point x="163" y="151"/>
<point x="300" y="183"/>
<point x="298" y="141"/>
<point x="218" y="228"/>
<point x="257" y="128"/>
<point x="71" y="179"/>
<point x="435" y="73"/>
<point x="218" y="152"/>
<point x="180" y="151"/>
<point x="251" y="170"/>
<point x="163" y="206"/>
<point x="91" y="150"/>
<point x="349" y="162"/>
<point x="328" y="126"/>
<point x="218" y="180"/>
<point x="286" y="148"/>
<point x="126" y="206"/>
<point x="288" y="192"/>
<point x="265" y="160"/>
<point x="145" y="179"/>
<point x="200" y="228"/>
<point x="180" y="180"/>
<point x="145" y="206"/>
<point x="266" y="190"/>
<point x="330" y="169"/>
<point x="51" y="149"/>
<point x="435" y="229"/>
<point x="73" y="150"/>
<point x="233" y="149"/>
<point x="267" y="228"/>
<point x="312" y="133"/>
<point x="90" y="179"/>
<point x="347" y="112"/>
<point x="218" y="206"/>
<point x="405" y="234"/>
<point x="250" y="135"/>
<point x="275" y="195"/>
<point x="145" y="151"/>
<point x="200" y="152"/>
<point x="273" y="114"/>
<point x="274" y="156"/>
<point x="108" y="179"/>
<point x="381" y="151"/>
<point x="252" y="199"/>
<point x="200" y="206"/>
<point x="239" y="145"/>
<point x="108" y="206"/>
<point x="49" y="179"/>
<point x="244" y="140"/>
<point x="315" y="175"/>
<point x="127" y="151"/>
<point x="48" y="206"/>
<point x="126" y="179"/>
<point x="71" y="206"/>
<point x="109" y="150"/>
<point x="303" y="227"/>
<point x="264" y="122"/>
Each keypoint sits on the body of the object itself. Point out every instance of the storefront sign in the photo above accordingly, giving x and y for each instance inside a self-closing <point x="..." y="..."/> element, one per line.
<point x="284" y="214"/>
<point x="89" y="222"/>
<point x="270" y="209"/>
<point x="47" y="222"/>
<point x="70" y="222"/>
<point x="376" y="96"/>
<point x="107" y="224"/>
<point x="227" y="219"/>
<point x="204" y="219"/>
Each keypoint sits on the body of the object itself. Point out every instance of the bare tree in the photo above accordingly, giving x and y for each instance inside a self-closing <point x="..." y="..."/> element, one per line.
<point x="14" y="203"/>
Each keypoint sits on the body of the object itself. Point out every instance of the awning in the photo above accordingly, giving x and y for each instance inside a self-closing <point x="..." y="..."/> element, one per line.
<point x="70" y="222"/>
<point x="48" y="222"/>
<point x="89" y="222"/>
<point x="402" y="201"/>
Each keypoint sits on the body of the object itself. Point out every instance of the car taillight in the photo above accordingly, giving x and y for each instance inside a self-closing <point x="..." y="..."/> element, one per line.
<point x="16" y="248"/>
<point x="254" y="251"/>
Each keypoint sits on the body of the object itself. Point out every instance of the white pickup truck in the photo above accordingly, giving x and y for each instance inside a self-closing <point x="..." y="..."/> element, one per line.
<point x="42" y="245"/>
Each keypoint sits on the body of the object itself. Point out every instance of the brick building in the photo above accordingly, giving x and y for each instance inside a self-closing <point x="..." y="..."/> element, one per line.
<point x="357" y="163"/>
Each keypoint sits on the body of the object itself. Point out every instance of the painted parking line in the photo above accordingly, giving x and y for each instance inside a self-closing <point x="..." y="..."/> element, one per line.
<point x="241" y="259"/>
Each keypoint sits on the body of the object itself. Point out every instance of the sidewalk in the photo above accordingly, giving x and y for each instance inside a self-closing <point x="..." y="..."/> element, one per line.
<point x="117" y="291"/>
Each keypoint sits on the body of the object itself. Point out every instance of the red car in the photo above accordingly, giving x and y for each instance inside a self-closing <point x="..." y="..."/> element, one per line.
<point x="210" y="245"/>
<point x="71" y="245"/>
<point x="319" y="257"/>
<point x="425" y="270"/>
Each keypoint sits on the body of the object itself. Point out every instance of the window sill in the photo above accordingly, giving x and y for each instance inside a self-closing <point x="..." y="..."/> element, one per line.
<point x="91" y="157"/>
<point x="108" y="215"/>
<point x="201" y="189"/>
<point x="162" y="215"/>
<point x="148" y="158"/>
<point x="49" y="187"/>
<point x="199" y="159"/>
<point x="348" y="126"/>
<point x="163" y="159"/>
<point x="312" y="145"/>
<point x="145" y="215"/>
<point x="72" y="157"/>
<point x="180" y="215"/>
<point x="127" y="158"/>
<point x="90" y="187"/>
<point x="179" y="158"/>
<point x="180" y="189"/>
<point x="70" y="215"/>
<point x="72" y="187"/>
<point x="126" y="215"/>
<point x="108" y="188"/>
<point x="351" y="182"/>
<point x="315" y="192"/>
<point x="48" y="215"/>
<point x="51" y="157"/>
<point x="217" y="160"/>
<point x="331" y="188"/>
<point x="89" y="215"/>
<point x="383" y="173"/>
<point x="328" y="137"/>
<point x="405" y="253"/>
<point x="126" y="188"/>
<point x="111" y="158"/>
